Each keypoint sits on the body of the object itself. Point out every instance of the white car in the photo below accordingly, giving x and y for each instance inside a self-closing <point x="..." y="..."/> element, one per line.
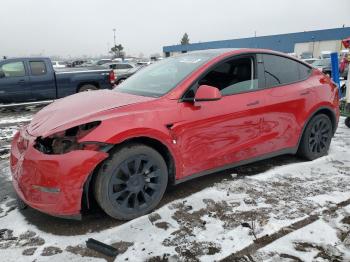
<point x="310" y="60"/>
<point x="119" y="68"/>
<point x="59" y="64"/>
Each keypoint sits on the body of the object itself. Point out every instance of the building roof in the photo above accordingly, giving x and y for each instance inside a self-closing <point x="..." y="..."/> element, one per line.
<point x="281" y="42"/>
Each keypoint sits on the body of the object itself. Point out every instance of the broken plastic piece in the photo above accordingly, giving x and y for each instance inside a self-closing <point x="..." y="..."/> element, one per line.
<point x="101" y="247"/>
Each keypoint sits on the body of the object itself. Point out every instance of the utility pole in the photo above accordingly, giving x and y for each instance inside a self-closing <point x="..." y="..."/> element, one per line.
<point x="116" y="52"/>
<point x="114" y="30"/>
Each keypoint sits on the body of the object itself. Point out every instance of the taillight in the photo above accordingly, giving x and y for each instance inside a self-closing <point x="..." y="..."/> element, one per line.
<point x="112" y="77"/>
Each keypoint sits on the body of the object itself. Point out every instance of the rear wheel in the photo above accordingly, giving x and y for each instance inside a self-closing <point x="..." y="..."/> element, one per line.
<point x="317" y="137"/>
<point x="132" y="182"/>
<point x="347" y="122"/>
<point x="87" y="87"/>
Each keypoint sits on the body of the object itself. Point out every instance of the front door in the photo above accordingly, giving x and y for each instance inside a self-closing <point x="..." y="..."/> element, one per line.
<point x="214" y="134"/>
<point x="13" y="82"/>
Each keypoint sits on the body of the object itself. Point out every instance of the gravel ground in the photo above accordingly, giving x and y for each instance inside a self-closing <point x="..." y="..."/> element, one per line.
<point x="273" y="210"/>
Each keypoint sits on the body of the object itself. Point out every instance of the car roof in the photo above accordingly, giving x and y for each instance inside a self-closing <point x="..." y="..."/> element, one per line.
<point x="223" y="52"/>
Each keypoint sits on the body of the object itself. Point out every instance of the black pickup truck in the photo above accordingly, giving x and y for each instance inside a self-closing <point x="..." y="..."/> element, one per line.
<point x="34" y="79"/>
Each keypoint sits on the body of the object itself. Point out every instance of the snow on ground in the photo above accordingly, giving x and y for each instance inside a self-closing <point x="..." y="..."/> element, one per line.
<point x="215" y="222"/>
<point x="326" y="239"/>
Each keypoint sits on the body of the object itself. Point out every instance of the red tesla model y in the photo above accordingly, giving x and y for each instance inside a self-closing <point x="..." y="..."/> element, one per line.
<point x="180" y="118"/>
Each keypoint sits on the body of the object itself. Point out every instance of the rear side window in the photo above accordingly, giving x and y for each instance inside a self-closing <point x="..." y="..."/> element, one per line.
<point x="13" y="69"/>
<point x="280" y="70"/>
<point x="37" y="68"/>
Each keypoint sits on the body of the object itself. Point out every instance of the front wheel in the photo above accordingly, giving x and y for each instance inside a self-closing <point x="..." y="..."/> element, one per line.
<point x="132" y="182"/>
<point x="316" y="138"/>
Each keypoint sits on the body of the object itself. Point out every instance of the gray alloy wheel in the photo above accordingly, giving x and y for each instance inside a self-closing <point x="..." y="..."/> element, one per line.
<point x="132" y="182"/>
<point x="317" y="137"/>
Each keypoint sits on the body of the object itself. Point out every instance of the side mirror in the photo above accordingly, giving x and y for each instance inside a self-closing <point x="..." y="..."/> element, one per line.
<point x="2" y="74"/>
<point x="207" y="93"/>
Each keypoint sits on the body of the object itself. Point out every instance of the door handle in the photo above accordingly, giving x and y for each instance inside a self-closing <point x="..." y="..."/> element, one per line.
<point x="21" y="82"/>
<point x="305" y="93"/>
<point x="253" y="103"/>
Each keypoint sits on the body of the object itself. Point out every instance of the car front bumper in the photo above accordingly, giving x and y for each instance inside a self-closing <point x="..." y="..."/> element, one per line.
<point x="52" y="184"/>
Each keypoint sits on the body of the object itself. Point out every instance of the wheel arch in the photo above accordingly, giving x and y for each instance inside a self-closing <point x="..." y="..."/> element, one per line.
<point x="328" y="111"/>
<point x="80" y="85"/>
<point x="88" y="200"/>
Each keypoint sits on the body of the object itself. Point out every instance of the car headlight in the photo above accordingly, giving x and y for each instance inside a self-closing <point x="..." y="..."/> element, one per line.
<point x="67" y="141"/>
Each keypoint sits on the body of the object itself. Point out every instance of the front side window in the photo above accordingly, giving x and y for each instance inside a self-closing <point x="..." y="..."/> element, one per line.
<point x="37" y="68"/>
<point x="233" y="77"/>
<point x="13" y="69"/>
<point x="161" y="77"/>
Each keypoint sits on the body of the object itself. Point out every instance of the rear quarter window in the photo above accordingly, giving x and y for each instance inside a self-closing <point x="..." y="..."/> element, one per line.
<point x="304" y="71"/>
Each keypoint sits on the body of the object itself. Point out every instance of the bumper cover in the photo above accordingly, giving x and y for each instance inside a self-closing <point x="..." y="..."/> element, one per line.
<point x="52" y="184"/>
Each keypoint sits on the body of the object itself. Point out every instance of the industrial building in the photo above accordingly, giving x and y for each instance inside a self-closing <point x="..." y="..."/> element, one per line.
<point x="298" y="43"/>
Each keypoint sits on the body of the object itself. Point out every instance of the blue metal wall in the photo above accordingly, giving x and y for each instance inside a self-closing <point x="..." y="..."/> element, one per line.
<point x="284" y="42"/>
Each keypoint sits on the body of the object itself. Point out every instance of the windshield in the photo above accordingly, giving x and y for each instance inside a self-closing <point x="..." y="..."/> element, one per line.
<point x="161" y="77"/>
<point x="322" y="62"/>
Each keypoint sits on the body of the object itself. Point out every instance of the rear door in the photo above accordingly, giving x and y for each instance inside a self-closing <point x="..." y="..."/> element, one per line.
<point x="42" y="80"/>
<point x="14" y="82"/>
<point x="288" y="98"/>
<point x="214" y="134"/>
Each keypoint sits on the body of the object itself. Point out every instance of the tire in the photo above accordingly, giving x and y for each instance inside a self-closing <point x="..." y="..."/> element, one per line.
<point x="316" y="138"/>
<point x="347" y="122"/>
<point x="87" y="87"/>
<point x="21" y="205"/>
<point x="131" y="182"/>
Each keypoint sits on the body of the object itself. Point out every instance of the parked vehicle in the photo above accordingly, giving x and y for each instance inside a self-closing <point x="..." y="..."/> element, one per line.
<point x="103" y="61"/>
<point x="325" y="66"/>
<point x="180" y="118"/>
<point x="310" y="60"/>
<point x="59" y="64"/>
<point x="34" y="79"/>
<point x="121" y="77"/>
<point x="306" y="55"/>
<point x="325" y="54"/>
<point x="88" y="63"/>
<point x="119" y="68"/>
<point x="143" y="63"/>
<point x="76" y="63"/>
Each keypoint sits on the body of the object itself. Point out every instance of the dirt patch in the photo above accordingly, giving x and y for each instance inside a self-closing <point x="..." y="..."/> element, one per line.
<point x="346" y="220"/>
<point x="164" y="258"/>
<point x="83" y="251"/>
<point x="162" y="225"/>
<point x="29" y="251"/>
<point x="193" y="250"/>
<point x="122" y="246"/>
<point x="29" y="238"/>
<point x="328" y="252"/>
<point x="51" y="251"/>
<point x="154" y="217"/>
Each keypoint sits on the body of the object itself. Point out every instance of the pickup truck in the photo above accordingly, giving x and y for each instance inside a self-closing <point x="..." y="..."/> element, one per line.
<point x="34" y="79"/>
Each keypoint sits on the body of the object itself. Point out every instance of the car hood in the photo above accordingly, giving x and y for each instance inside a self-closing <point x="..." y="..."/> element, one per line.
<point x="78" y="109"/>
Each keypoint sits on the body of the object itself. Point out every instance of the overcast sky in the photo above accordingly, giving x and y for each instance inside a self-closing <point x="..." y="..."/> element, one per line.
<point x="84" y="27"/>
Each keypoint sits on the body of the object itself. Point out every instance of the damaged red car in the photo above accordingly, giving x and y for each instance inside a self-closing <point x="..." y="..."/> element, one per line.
<point x="180" y="118"/>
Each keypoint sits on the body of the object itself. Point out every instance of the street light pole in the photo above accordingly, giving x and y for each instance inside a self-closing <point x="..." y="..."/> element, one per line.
<point x="114" y="30"/>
